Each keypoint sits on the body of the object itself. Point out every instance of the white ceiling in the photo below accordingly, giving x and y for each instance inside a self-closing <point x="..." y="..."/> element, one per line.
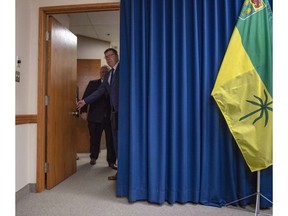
<point x="104" y="25"/>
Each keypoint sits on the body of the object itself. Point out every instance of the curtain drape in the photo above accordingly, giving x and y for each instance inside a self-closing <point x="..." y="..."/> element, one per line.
<point x="174" y="144"/>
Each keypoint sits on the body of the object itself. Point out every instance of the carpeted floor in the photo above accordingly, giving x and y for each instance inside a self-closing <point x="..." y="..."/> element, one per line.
<point x="89" y="193"/>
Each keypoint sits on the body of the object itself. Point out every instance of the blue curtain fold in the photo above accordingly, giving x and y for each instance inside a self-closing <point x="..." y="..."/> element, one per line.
<point x="174" y="144"/>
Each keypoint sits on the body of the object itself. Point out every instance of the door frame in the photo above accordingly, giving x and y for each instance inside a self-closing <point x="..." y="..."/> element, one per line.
<point x="41" y="125"/>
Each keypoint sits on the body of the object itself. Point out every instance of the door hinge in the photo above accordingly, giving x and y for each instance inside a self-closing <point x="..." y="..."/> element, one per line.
<point x="47" y="100"/>
<point x="46" y="167"/>
<point x="47" y="36"/>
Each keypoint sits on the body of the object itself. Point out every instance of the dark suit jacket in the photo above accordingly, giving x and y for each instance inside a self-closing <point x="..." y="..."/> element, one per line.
<point x="98" y="109"/>
<point x="113" y="90"/>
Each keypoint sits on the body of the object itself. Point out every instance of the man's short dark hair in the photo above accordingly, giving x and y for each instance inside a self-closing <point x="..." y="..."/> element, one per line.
<point x="111" y="49"/>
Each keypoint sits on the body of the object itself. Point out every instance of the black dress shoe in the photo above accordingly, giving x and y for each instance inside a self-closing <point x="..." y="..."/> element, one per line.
<point x="93" y="161"/>
<point x="114" y="177"/>
<point x="113" y="166"/>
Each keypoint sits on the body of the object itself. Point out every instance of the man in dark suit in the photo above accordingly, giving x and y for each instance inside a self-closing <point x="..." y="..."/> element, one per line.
<point x="111" y="85"/>
<point x="98" y="120"/>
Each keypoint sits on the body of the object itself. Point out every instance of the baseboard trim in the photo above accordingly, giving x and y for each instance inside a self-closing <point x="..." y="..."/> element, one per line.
<point x="29" y="188"/>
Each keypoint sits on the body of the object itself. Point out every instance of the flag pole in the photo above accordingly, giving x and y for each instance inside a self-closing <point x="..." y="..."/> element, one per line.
<point x="257" y="207"/>
<point x="258" y="195"/>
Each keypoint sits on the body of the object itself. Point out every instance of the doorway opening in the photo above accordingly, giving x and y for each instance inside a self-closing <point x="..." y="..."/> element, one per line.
<point x="42" y="55"/>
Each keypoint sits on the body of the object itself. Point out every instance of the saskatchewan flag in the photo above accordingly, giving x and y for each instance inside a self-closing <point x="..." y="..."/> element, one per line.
<point x="243" y="88"/>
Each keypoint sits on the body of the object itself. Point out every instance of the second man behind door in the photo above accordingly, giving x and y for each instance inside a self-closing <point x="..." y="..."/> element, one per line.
<point x="98" y="119"/>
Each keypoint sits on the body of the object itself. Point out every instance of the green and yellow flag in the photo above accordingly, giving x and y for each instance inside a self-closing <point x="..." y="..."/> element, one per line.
<point x="243" y="88"/>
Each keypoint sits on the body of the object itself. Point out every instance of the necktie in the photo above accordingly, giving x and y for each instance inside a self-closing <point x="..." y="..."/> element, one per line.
<point x="111" y="77"/>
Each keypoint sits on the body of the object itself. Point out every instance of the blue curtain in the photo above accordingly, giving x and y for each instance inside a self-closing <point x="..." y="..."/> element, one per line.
<point x="174" y="144"/>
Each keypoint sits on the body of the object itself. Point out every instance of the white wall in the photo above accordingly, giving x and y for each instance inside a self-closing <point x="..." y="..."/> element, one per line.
<point x="25" y="155"/>
<point x="26" y="99"/>
<point x="89" y="48"/>
<point x="26" y="91"/>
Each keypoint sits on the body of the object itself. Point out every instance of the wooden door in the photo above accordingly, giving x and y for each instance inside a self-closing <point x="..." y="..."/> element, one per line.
<point x="87" y="69"/>
<point x="61" y="89"/>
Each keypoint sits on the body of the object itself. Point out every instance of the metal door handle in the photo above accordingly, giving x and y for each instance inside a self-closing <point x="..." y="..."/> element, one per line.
<point x="76" y="113"/>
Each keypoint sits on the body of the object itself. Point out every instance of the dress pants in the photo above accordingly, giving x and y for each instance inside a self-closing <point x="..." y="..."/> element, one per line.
<point x="95" y="131"/>
<point x="114" y="124"/>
